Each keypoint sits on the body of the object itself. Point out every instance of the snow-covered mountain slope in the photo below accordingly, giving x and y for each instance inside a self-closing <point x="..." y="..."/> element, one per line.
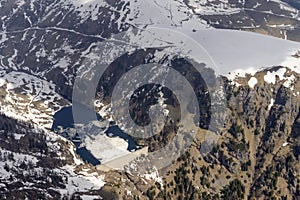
<point x="57" y="37"/>
<point x="28" y="98"/>
<point x="38" y="163"/>
<point x="274" y="17"/>
<point x="59" y="59"/>
<point x="44" y="44"/>
<point x="225" y="7"/>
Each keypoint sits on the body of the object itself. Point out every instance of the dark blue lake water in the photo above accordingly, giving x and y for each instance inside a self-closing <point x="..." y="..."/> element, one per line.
<point x="64" y="117"/>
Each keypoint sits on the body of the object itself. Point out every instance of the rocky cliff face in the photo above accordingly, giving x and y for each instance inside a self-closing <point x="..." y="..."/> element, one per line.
<point x="41" y="165"/>
<point x="257" y="155"/>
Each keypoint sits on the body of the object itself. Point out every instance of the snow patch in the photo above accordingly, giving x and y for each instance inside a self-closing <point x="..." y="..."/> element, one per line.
<point x="289" y="82"/>
<point x="270" y="77"/>
<point x="105" y="148"/>
<point x="154" y="176"/>
<point x="2" y="82"/>
<point x="81" y="181"/>
<point x="252" y="82"/>
<point x="271" y="104"/>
